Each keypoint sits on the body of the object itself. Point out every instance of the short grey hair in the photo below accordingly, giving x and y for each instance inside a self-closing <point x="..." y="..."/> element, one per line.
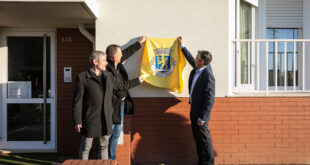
<point x="206" y="56"/>
<point x="95" y="55"/>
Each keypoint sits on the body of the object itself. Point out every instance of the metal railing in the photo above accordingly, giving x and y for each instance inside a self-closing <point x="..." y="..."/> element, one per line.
<point x="262" y="65"/>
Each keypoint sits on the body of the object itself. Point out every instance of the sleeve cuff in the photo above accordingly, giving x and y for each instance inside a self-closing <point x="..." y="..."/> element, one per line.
<point x="182" y="46"/>
<point x="201" y="120"/>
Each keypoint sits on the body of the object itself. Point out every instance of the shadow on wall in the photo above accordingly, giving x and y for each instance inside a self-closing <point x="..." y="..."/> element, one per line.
<point x="133" y="63"/>
<point x="161" y="132"/>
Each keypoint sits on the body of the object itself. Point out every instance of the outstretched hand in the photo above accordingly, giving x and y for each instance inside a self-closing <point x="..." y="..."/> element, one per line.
<point x="180" y="39"/>
<point x="142" y="39"/>
<point x="142" y="77"/>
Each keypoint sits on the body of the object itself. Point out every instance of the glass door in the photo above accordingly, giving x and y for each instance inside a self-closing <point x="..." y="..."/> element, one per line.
<point x="28" y="95"/>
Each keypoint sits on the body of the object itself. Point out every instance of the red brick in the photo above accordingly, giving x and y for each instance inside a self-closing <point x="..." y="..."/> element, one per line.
<point x="282" y="117"/>
<point x="304" y="113"/>
<point x="297" y="145"/>
<point x="251" y="132"/>
<point x="275" y="104"/>
<point x="297" y="117"/>
<point x="267" y="127"/>
<point x="253" y="136"/>
<point x="282" y="127"/>
<point x="267" y="136"/>
<point x="252" y="122"/>
<point x="248" y="118"/>
<point x="297" y="126"/>
<point x="246" y="127"/>
<point x="275" y="122"/>
<point x="303" y="122"/>
<point x="268" y="117"/>
<point x="275" y="131"/>
<point x="303" y="104"/>
<point x="245" y="109"/>
<point x="297" y="108"/>
<point x="282" y="145"/>
<point x="260" y="145"/>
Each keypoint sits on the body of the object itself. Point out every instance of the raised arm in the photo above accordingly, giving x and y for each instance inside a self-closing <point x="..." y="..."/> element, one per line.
<point x="190" y="59"/>
<point x="132" y="49"/>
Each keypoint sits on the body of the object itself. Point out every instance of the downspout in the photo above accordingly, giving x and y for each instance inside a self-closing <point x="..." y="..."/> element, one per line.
<point x="90" y="37"/>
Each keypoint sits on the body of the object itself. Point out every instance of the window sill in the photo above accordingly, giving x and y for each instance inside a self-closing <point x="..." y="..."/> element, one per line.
<point x="272" y="94"/>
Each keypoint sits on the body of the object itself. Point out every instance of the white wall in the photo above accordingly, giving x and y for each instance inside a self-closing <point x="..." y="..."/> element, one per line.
<point x="202" y="23"/>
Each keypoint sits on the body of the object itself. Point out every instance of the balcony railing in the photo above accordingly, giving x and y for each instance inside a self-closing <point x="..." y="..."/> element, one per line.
<point x="271" y="65"/>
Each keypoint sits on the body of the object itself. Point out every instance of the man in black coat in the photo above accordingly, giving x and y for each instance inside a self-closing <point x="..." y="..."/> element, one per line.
<point x="122" y="102"/>
<point x="202" y="92"/>
<point x="92" y="105"/>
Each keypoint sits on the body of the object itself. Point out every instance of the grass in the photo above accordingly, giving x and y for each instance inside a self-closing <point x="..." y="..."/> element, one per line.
<point x="29" y="159"/>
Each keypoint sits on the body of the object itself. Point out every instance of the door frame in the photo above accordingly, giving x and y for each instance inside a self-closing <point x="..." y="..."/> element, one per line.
<point x="31" y="145"/>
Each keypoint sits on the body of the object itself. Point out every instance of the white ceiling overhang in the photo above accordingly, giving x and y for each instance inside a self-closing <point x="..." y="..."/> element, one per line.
<point x="48" y="13"/>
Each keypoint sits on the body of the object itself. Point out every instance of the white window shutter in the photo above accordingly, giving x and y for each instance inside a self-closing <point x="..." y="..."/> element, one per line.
<point x="284" y="13"/>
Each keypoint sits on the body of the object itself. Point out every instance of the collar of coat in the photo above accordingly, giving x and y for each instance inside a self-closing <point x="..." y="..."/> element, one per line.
<point x="90" y="73"/>
<point x="111" y="62"/>
<point x="112" y="67"/>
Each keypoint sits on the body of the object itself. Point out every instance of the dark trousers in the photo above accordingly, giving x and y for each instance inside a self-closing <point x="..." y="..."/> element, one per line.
<point x="203" y="143"/>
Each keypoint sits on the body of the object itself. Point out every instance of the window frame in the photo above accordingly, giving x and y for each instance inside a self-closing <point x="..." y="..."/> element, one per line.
<point x="237" y="69"/>
<point x="299" y="62"/>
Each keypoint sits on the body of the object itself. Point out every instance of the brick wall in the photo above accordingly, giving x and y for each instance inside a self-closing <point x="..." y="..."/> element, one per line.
<point x="244" y="131"/>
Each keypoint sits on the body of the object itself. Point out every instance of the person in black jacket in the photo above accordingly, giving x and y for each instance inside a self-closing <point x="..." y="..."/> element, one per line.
<point x="122" y="102"/>
<point x="92" y="105"/>
<point x="202" y="92"/>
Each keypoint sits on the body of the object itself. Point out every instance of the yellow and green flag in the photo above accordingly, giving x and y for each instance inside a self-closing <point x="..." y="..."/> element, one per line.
<point x="163" y="63"/>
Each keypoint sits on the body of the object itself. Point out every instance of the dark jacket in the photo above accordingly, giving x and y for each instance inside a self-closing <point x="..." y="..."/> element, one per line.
<point x="203" y="92"/>
<point x="119" y="94"/>
<point x="92" y="103"/>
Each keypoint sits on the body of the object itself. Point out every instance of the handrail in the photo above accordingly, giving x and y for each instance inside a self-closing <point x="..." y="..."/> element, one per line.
<point x="271" y="40"/>
<point x="284" y="71"/>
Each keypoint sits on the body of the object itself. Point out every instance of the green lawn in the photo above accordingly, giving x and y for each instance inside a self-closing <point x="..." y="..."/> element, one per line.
<point x="29" y="159"/>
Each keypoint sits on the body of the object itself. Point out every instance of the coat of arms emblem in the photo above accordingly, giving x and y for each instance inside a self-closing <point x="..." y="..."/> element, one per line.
<point x="162" y="63"/>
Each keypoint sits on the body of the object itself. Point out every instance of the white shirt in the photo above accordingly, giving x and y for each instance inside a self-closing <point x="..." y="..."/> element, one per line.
<point x="196" y="76"/>
<point x="95" y="72"/>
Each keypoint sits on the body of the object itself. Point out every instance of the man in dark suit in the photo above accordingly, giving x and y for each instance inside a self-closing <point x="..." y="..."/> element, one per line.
<point x="202" y="92"/>
<point x="122" y="102"/>
<point x="92" y="105"/>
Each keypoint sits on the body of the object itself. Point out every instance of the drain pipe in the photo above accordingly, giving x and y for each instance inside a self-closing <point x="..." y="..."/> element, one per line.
<point x="90" y="37"/>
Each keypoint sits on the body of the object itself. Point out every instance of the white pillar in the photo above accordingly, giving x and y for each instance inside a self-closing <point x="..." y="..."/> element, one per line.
<point x="306" y="35"/>
<point x="262" y="30"/>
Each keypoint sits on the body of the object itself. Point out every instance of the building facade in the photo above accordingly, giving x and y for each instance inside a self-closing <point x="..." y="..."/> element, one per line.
<point x="261" y="48"/>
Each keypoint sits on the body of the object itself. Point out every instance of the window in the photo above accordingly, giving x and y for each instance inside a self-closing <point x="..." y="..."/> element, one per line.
<point x="245" y="30"/>
<point x="245" y="33"/>
<point x="279" y="33"/>
<point x="275" y="61"/>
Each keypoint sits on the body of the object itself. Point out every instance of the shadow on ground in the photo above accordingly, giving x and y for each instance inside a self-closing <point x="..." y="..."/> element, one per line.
<point x="29" y="159"/>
